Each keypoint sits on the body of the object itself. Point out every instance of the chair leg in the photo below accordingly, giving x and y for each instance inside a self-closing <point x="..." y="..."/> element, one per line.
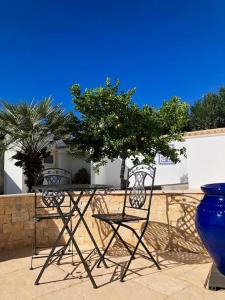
<point x="119" y="236"/>
<point x="139" y="238"/>
<point x="31" y="263"/>
<point x="34" y="246"/>
<point x="144" y="246"/>
<point x="107" y="247"/>
<point x="150" y="255"/>
<point x="129" y="262"/>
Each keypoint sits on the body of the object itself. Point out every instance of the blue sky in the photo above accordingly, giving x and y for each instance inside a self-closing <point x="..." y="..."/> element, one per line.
<point x="161" y="47"/>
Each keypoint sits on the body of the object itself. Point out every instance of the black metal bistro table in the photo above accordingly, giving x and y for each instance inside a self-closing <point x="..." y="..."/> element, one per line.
<point x="55" y="192"/>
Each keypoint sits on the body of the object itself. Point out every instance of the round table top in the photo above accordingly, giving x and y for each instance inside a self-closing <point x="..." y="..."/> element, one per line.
<point x="70" y="187"/>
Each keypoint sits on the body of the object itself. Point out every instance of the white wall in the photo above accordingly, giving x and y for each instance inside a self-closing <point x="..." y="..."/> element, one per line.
<point x="172" y="173"/>
<point x="1" y="174"/>
<point x="165" y="174"/>
<point x="13" y="176"/>
<point x="64" y="160"/>
<point x="206" y="160"/>
<point x="100" y="177"/>
<point x="205" y="163"/>
<point x="110" y="173"/>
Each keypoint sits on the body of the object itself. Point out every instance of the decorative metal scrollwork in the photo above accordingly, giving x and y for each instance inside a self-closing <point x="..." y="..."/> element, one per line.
<point x="53" y="179"/>
<point x="138" y="194"/>
<point x="148" y="170"/>
<point x="54" y="176"/>
<point x="50" y="198"/>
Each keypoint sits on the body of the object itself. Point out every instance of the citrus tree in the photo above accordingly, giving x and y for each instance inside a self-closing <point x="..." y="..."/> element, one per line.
<point x="31" y="130"/>
<point x="112" y="125"/>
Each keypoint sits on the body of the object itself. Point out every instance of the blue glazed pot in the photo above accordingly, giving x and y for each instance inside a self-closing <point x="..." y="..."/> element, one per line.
<point x="210" y="222"/>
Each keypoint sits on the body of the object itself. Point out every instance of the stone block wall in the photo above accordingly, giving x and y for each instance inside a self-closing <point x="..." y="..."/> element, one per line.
<point x="171" y="226"/>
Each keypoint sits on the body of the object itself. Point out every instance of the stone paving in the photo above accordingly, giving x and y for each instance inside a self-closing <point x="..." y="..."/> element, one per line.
<point x="176" y="280"/>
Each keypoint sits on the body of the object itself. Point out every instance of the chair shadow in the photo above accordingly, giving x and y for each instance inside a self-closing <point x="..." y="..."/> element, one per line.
<point x="179" y="243"/>
<point x="172" y="244"/>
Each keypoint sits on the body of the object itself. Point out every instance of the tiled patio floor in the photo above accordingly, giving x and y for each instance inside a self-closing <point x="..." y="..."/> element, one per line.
<point x="176" y="280"/>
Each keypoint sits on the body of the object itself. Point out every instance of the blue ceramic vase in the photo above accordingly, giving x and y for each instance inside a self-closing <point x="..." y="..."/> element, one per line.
<point x="210" y="222"/>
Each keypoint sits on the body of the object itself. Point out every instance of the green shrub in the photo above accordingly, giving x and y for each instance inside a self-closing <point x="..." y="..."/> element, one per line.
<point x="81" y="177"/>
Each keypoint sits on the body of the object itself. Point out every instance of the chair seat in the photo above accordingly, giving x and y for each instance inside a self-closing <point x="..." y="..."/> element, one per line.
<point x="117" y="218"/>
<point x="49" y="216"/>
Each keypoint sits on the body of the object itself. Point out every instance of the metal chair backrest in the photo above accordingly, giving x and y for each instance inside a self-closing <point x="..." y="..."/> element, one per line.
<point x="54" y="176"/>
<point x="136" y="193"/>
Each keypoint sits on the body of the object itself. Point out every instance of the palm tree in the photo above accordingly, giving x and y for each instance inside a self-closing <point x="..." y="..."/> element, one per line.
<point x="31" y="130"/>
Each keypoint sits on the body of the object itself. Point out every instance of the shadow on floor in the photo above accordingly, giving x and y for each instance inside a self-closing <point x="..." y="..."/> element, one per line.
<point x="17" y="253"/>
<point x="171" y="243"/>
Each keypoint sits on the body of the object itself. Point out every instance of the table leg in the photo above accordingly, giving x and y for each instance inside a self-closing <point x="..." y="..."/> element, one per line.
<point x="81" y="214"/>
<point x="71" y="234"/>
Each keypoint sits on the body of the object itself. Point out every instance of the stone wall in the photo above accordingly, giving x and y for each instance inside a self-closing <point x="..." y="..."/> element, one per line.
<point x="171" y="227"/>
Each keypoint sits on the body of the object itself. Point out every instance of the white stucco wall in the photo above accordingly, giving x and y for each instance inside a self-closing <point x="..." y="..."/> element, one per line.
<point x="165" y="173"/>
<point x="2" y="174"/>
<point x="206" y="160"/>
<point x="205" y="163"/>
<point x="64" y="160"/>
<point x="13" y="176"/>
<point x="110" y="173"/>
<point x="100" y="177"/>
<point x="172" y="173"/>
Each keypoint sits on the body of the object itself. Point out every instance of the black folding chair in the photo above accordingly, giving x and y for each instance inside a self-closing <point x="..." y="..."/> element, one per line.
<point x="49" y="176"/>
<point x="56" y="176"/>
<point x="136" y="199"/>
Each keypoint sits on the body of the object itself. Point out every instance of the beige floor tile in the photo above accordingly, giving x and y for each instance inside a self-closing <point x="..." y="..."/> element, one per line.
<point x="176" y="271"/>
<point x="175" y="281"/>
<point x="9" y="266"/>
<point x="198" y="275"/>
<point x="19" y="285"/>
<point x="113" y="291"/>
<point x="162" y="283"/>
<point x="192" y="292"/>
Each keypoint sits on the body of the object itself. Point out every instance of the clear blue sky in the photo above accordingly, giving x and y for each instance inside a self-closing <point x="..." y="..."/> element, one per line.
<point x="162" y="47"/>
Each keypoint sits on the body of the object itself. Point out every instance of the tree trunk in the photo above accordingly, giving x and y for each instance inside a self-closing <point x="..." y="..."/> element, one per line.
<point x="122" y="171"/>
<point x="30" y="177"/>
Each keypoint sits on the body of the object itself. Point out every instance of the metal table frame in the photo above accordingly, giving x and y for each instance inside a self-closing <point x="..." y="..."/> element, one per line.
<point x="38" y="218"/>
<point x="69" y="189"/>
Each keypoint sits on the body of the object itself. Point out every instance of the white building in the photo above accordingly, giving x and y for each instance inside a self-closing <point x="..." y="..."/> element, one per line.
<point x="59" y="158"/>
<point x="205" y="157"/>
<point x="205" y="163"/>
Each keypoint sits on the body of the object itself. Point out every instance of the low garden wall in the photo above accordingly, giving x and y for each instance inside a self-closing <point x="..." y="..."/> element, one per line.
<point x="171" y="227"/>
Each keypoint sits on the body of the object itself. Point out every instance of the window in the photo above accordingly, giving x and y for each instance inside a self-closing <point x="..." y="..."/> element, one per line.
<point x="49" y="159"/>
<point x="165" y="160"/>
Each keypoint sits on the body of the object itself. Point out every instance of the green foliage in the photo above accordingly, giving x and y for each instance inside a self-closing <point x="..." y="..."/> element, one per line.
<point x="112" y="125"/>
<point x="208" y="112"/>
<point x="31" y="162"/>
<point x="82" y="177"/>
<point x="31" y="130"/>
